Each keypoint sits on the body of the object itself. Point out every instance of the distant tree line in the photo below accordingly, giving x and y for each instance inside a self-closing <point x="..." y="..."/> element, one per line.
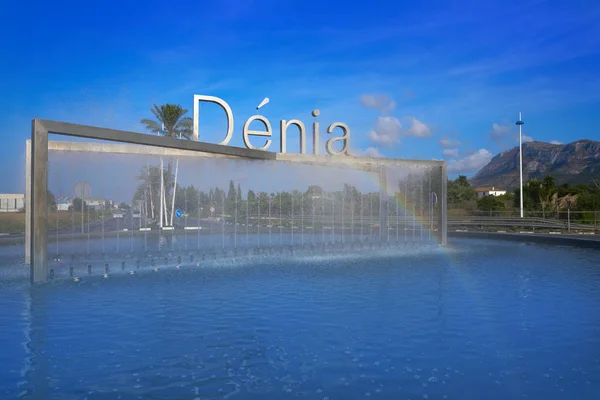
<point x="234" y="201"/>
<point x="543" y="196"/>
<point x="546" y="196"/>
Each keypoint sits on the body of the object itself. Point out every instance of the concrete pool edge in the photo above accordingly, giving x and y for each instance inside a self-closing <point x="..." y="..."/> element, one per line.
<point x="588" y="241"/>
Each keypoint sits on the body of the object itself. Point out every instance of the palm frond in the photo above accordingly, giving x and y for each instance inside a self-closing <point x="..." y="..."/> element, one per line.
<point x="171" y="116"/>
<point x="157" y="111"/>
<point x="151" y="125"/>
<point x="184" y="127"/>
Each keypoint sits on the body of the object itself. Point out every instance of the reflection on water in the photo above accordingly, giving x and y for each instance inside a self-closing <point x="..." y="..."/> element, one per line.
<point x="481" y="319"/>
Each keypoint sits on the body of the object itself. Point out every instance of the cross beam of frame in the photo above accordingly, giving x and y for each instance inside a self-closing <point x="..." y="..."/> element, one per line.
<point x="36" y="252"/>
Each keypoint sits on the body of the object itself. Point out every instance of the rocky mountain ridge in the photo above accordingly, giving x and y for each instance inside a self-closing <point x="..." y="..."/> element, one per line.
<point x="573" y="163"/>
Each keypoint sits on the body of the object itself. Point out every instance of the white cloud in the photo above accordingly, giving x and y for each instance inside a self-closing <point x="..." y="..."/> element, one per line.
<point x="470" y="163"/>
<point x="368" y="152"/>
<point x="379" y="102"/>
<point x="373" y="152"/>
<point x="450" y="152"/>
<point x="499" y="132"/>
<point x="555" y="142"/>
<point x="418" y="129"/>
<point x="447" y="142"/>
<point x="386" y="132"/>
<point x="506" y="134"/>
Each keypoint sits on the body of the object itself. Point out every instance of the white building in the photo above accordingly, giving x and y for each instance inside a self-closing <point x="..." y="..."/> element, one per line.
<point x="493" y="191"/>
<point x="96" y="203"/>
<point x="12" y="202"/>
<point x="63" y="203"/>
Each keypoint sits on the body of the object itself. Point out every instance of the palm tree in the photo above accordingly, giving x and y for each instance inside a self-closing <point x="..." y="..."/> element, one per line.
<point x="170" y="121"/>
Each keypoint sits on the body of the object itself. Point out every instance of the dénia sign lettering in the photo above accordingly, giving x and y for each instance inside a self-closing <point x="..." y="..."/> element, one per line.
<point x="267" y="131"/>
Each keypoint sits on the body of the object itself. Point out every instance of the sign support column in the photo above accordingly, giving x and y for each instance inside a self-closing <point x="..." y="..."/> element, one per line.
<point x="28" y="202"/>
<point x="38" y="203"/>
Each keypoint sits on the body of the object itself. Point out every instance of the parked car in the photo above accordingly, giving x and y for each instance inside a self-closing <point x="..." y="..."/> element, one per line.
<point x="117" y="215"/>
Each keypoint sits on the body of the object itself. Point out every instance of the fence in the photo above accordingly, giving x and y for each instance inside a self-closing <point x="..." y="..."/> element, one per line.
<point x="575" y="222"/>
<point x="589" y="216"/>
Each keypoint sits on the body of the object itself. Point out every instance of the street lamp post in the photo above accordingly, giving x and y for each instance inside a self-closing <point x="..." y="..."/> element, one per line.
<point x="520" y="124"/>
<point x="313" y="217"/>
<point x="162" y="188"/>
<point x="270" y="221"/>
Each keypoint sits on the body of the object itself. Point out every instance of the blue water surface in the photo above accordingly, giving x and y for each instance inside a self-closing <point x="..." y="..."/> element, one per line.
<point x="477" y="320"/>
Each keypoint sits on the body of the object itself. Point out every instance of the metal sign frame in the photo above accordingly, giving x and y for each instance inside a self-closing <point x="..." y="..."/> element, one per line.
<point x="36" y="241"/>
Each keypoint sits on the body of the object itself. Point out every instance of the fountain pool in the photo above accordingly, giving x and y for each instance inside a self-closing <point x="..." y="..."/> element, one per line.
<point x="479" y="319"/>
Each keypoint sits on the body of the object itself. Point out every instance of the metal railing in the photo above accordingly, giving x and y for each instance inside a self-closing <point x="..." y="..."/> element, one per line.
<point x="558" y="223"/>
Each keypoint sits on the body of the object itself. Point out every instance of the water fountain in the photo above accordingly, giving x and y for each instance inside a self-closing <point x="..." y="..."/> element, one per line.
<point x="236" y="307"/>
<point x="258" y="220"/>
<point x="359" y="193"/>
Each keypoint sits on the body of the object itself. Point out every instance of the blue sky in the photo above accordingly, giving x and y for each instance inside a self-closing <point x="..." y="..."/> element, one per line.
<point x="428" y="80"/>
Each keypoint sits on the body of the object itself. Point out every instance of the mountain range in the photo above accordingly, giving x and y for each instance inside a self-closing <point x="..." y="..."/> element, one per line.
<point x="573" y="163"/>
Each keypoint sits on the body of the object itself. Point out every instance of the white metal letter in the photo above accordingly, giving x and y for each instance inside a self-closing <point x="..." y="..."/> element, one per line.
<point x="212" y="99"/>
<point x="247" y="132"/>
<point x="345" y="138"/>
<point x="283" y="125"/>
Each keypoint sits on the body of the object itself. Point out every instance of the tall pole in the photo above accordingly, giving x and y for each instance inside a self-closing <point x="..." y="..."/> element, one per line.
<point x="82" y="206"/>
<point x="520" y="123"/>
<point x="270" y="221"/>
<point x="247" y="211"/>
<point x="150" y="193"/>
<point x="313" y="218"/>
<point x="333" y="217"/>
<point x="175" y="188"/>
<point x="161" y="192"/>
<point x="302" y="217"/>
<point x="174" y="191"/>
<point x="211" y="209"/>
<point x="162" y="205"/>
<point x="361" y="217"/>
<point x="165" y="205"/>
<point x="235" y="222"/>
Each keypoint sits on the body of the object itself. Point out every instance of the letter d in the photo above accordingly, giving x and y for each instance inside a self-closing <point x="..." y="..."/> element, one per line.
<point x="212" y="99"/>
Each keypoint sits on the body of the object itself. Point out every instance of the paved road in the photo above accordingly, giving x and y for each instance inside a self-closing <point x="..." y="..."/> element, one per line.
<point x="109" y="224"/>
<point x="559" y="239"/>
<point x="106" y="224"/>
